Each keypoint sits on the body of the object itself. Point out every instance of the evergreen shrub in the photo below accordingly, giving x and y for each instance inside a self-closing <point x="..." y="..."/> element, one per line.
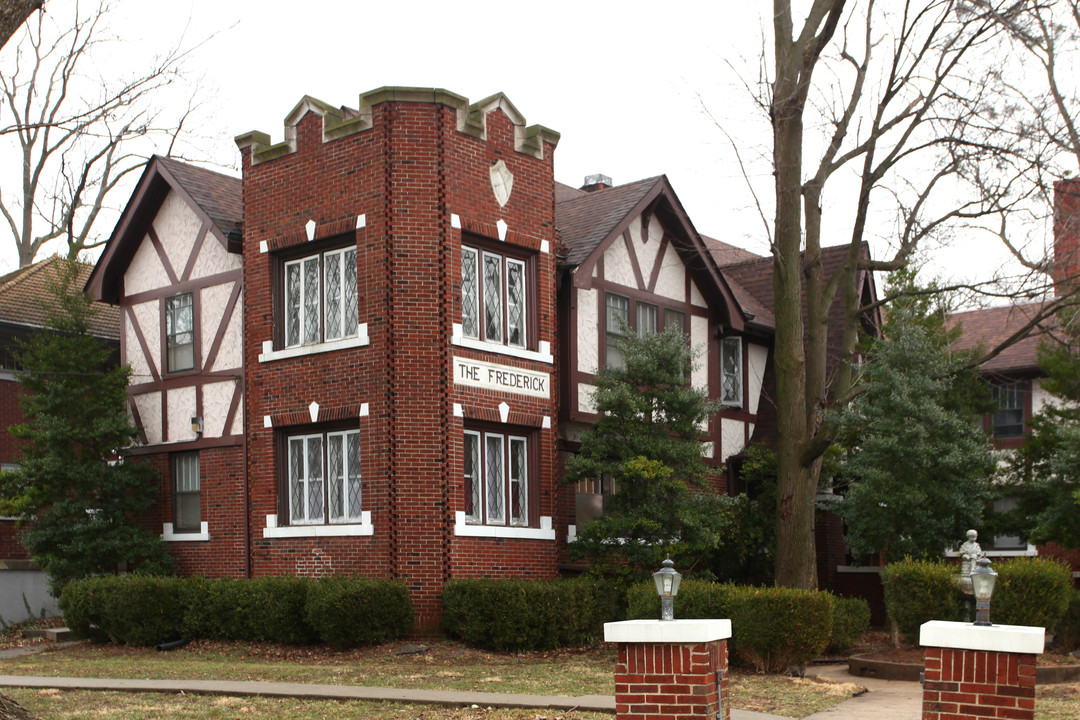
<point x="917" y="591"/>
<point x="771" y="628"/>
<point x="529" y="614"/>
<point x="348" y="612"/>
<point x="1030" y="591"/>
<point x="82" y="604"/>
<point x="851" y="619"/>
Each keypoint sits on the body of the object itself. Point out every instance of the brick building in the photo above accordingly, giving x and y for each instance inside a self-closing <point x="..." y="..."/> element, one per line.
<point x="367" y="354"/>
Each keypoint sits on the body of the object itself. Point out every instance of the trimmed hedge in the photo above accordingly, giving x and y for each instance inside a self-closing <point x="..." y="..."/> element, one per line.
<point x="149" y="610"/>
<point x="1030" y="591"/>
<point x="348" y="612"/>
<point x="851" y="619"/>
<point x="528" y="614"/>
<point x="917" y="591"/>
<point x="1068" y="630"/>
<point x="772" y="628"/>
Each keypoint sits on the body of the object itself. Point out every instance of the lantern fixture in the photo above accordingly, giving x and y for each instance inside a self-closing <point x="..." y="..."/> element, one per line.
<point x="667" y="587"/>
<point x="982" y="582"/>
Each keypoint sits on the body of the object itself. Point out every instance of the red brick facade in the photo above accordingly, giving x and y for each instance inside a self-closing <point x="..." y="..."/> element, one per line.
<point x="405" y="190"/>
<point x="967" y="684"/>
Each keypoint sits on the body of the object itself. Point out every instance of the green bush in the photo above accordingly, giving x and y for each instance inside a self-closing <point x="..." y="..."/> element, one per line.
<point x="264" y="609"/>
<point x="1068" y="630"/>
<point x="82" y="603"/>
<point x="1030" y="591"/>
<point x="347" y="612"/>
<point x="851" y="618"/>
<point x="771" y="628"/>
<point x="917" y="591"/>
<point x="149" y="611"/>
<point x="529" y="614"/>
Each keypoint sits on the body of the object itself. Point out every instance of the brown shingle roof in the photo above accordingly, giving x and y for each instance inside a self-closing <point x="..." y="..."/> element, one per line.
<point x="220" y="196"/>
<point x="989" y="327"/>
<point x="586" y="219"/>
<point x="23" y="292"/>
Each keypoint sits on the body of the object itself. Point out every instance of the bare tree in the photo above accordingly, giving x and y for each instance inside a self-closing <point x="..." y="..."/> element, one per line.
<point x="79" y="126"/>
<point x="897" y="95"/>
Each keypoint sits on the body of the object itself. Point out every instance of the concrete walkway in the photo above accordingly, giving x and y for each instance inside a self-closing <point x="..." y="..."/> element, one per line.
<point x="884" y="699"/>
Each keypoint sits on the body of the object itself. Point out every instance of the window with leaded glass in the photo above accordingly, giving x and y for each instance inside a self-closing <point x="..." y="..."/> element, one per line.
<point x="323" y="481"/>
<point x="187" y="493"/>
<point x="731" y="372"/>
<point x="496" y="478"/>
<point x="495" y="296"/>
<point x="179" y="333"/>
<point x="320" y="297"/>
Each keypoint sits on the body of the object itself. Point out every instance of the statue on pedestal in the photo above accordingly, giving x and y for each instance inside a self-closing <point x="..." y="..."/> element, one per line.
<point x="970" y="552"/>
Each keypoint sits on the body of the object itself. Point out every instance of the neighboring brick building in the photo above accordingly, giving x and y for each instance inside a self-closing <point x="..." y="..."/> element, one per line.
<point x="24" y="297"/>
<point x="406" y="424"/>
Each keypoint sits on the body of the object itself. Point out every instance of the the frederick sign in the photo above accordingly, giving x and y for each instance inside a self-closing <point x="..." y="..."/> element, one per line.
<point x="476" y="373"/>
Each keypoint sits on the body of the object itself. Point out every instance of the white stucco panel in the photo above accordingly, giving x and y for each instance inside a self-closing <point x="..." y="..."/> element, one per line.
<point x="646" y="251"/>
<point x="588" y="325"/>
<point x="1039" y="396"/>
<point x="699" y="341"/>
<point x="585" y="398"/>
<point x="238" y="421"/>
<point x="214" y="302"/>
<point x="217" y="397"/>
<point x="732" y="437"/>
<point x="177" y="226"/>
<point x="181" y="402"/>
<point x="149" y="407"/>
<point x="757" y="355"/>
<point x="213" y="258"/>
<point x="617" y="267"/>
<point x="231" y="353"/>
<point x="145" y="272"/>
<point x="696" y="298"/>
<point x="671" y="283"/>
<point x="148" y="318"/>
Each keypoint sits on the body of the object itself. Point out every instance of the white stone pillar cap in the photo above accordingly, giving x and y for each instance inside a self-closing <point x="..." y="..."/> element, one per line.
<point x="670" y="632"/>
<point x="997" y="638"/>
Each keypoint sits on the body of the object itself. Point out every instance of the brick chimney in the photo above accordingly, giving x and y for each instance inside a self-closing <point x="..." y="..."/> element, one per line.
<point x="596" y="182"/>
<point x="1066" y="267"/>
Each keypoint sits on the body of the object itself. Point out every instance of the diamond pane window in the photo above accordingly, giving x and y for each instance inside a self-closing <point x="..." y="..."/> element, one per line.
<point x="324" y="478"/>
<point x="495" y="295"/>
<point x="493" y="480"/>
<point x="496" y="478"/>
<point x="470" y="297"/>
<point x="321" y="298"/>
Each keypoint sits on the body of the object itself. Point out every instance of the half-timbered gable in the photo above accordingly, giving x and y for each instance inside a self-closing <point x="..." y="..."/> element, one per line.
<point x="173" y="268"/>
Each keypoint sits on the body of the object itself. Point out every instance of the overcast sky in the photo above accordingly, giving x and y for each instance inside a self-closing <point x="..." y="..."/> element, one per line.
<point x="636" y="89"/>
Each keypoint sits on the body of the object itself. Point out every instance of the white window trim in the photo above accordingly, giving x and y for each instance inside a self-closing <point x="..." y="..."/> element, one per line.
<point x="363" y="528"/>
<point x="462" y="528"/>
<point x="269" y="354"/>
<point x="541" y="354"/>
<point x="169" y="535"/>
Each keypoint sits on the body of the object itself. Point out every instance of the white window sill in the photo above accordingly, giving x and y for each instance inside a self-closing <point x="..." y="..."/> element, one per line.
<point x="465" y="529"/>
<point x="543" y="354"/>
<point x="364" y="527"/>
<point x="169" y="535"/>
<point x="269" y="354"/>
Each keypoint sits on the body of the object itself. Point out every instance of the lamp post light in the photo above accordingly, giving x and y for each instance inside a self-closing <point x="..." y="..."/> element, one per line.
<point x="667" y="587"/>
<point x="982" y="582"/>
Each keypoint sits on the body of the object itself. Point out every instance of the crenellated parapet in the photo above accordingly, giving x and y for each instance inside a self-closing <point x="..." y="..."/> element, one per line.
<point x="339" y="122"/>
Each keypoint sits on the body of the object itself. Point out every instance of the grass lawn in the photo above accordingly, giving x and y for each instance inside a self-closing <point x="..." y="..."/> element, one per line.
<point x="435" y="666"/>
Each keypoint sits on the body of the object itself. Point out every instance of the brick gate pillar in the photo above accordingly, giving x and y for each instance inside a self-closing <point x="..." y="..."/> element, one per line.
<point x="671" y="669"/>
<point x="979" y="672"/>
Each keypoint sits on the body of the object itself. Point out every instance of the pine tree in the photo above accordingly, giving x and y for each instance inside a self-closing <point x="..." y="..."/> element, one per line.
<point x="646" y="444"/>
<point x="78" y="493"/>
